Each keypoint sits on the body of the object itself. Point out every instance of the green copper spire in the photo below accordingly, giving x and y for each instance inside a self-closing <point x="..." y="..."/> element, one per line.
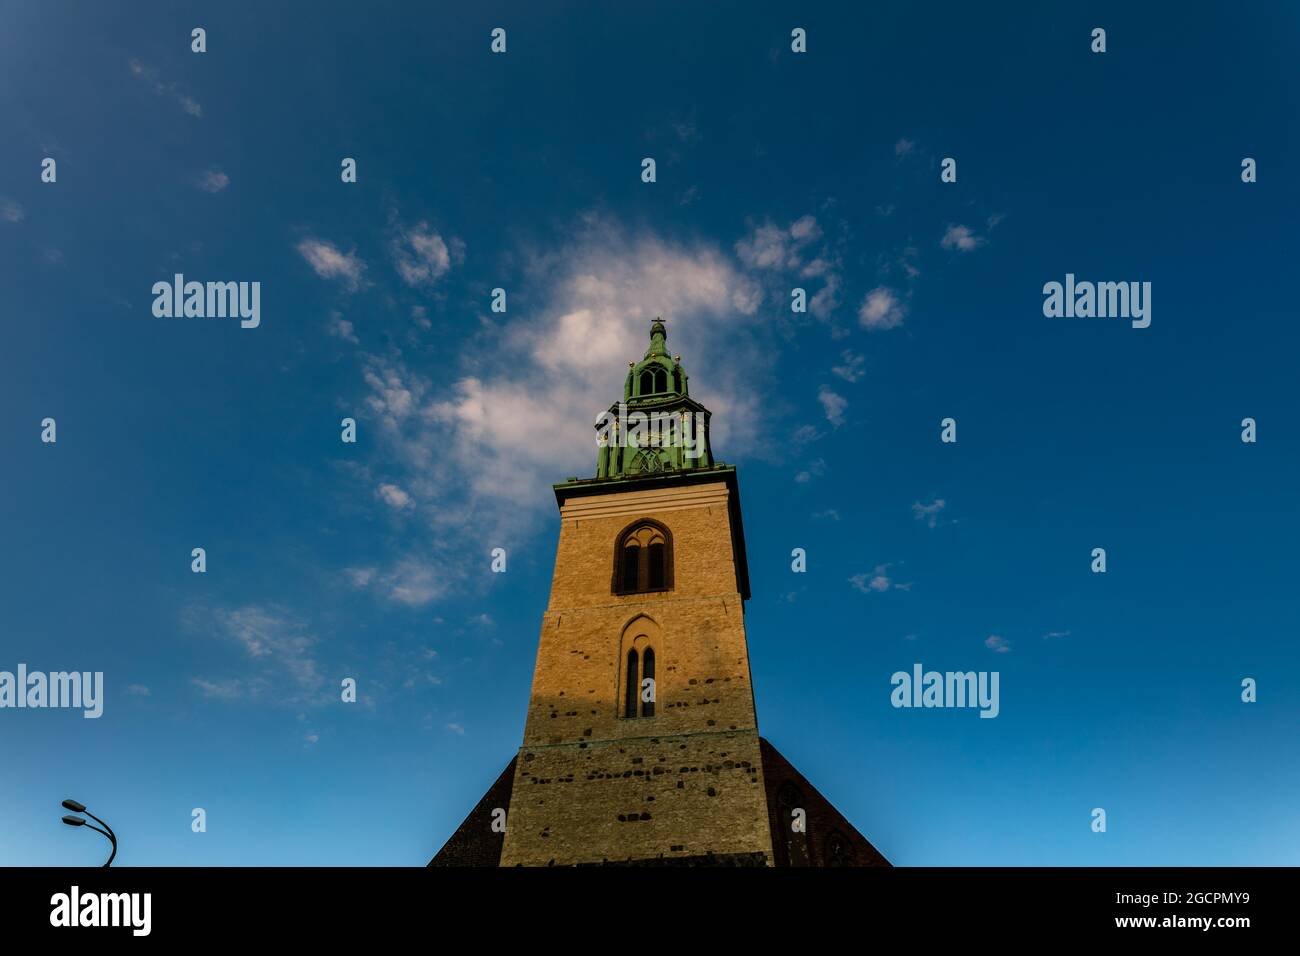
<point x="657" y="427"/>
<point x="658" y="338"/>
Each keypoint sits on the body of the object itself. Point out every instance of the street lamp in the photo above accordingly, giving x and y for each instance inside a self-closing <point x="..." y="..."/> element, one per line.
<point x="72" y="821"/>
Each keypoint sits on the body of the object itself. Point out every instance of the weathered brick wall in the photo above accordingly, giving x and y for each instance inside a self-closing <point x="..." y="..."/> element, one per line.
<point x="639" y="798"/>
<point x="591" y="785"/>
<point x="702" y="675"/>
<point x="697" y="515"/>
<point x="702" y="678"/>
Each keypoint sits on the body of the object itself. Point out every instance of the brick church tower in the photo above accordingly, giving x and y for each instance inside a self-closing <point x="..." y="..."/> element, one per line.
<point x="641" y="744"/>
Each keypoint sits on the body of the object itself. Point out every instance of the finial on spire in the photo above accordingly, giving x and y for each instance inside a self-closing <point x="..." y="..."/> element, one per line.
<point x="657" y="335"/>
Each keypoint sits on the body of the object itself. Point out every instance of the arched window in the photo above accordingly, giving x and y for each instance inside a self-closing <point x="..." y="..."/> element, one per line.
<point x="647" y="382"/>
<point x="839" y="852"/>
<point x="643" y="559"/>
<point x="648" y="706"/>
<point x="631" y="696"/>
<point x="640" y="646"/>
<point x="793" y="846"/>
<point x="661" y="380"/>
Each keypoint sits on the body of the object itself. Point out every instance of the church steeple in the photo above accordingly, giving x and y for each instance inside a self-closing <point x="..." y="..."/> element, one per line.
<point x="643" y="665"/>
<point x="657" y="427"/>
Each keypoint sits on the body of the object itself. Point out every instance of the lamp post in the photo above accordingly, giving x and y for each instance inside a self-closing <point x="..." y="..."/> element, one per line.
<point x="72" y="821"/>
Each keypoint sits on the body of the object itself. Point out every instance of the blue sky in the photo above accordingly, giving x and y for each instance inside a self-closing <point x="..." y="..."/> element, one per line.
<point x="774" y="170"/>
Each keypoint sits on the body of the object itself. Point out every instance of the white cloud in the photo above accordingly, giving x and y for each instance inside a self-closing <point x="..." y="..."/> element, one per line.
<point x="826" y="299"/>
<point x="804" y="229"/>
<point x="231" y="689"/>
<point x="881" y="309"/>
<point x="413" y="583"/>
<point x="904" y="260"/>
<point x="360" y="577"/>
<point x="275" y="640"/>
<point x="1052" y="635"/>
<point x="148" y="75"/>
<point x="477" y="451"/>
<point x="770" y="246"/>
<point x="834" y="406"/>
<point x="422" y="256"/>
<point x="877" y="581"/>
<point x="853" y="367"/>
<point x="393" y="496"/>
<point x="903" y="148"/>
<point x="137" y="690"/>
<point x="11" y="211"/>
<point x="341" y="328"/>
<point x="329" y="262"/>
<point x="998" y="645"/>
<point x="816" y="468"/>
<point x="928" y="513"/>
<point x="456" y="729"/>
<point x="413" y="580"/>
<point x="213" y="181"/>
<point x="961" y="238"/>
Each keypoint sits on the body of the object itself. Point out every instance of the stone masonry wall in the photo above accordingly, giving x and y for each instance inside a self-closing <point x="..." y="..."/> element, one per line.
<point x="591" y="785"/>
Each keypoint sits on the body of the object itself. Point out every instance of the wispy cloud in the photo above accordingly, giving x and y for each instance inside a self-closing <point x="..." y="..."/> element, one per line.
<point x="278" y="645"/>
<point x="341" y="328"/>
<point x="149" y="75"/>
<point x="816" y="468"/>
<point x="769" y="246"/>
<point x="999" y="645"/>
<point x="422" y="257"/>
<point x="1053" y="635"/>
<point x="928" y="513"/>
<point x="360" y="577"/>
<point x="853" y="367"/>
<point x="796" y="249"/>
<point x="878" y="581"/>
<point x="476" y="448"/>
<point x="413" y="579"/>
<point x="393" y="496"/>
<point x="213" y="181"/>
<point x="328" y="262"/>
<point x="11" y="211"/>
<point x="833" y="405"/>
<point x="961" y="238"/>
<point x="230" y="689"/>
<point x="881" y="309"/>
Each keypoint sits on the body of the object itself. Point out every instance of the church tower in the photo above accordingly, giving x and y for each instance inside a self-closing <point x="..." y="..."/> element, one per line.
<point x="641" y="742"/>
